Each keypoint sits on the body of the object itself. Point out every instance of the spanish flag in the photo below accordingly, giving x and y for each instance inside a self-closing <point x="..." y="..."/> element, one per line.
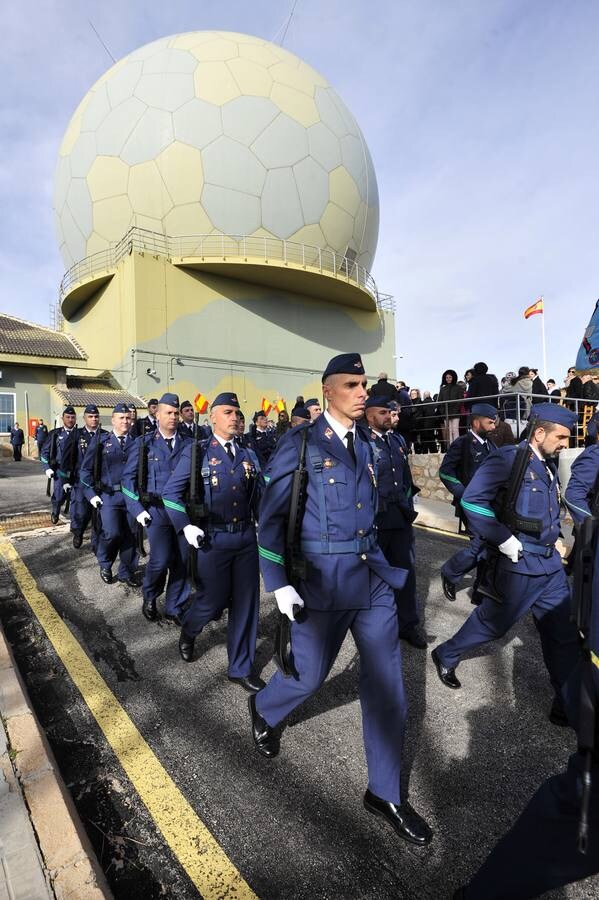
<point x="535" y="310"/>
<point x="266" y="406"/>
<point x="280" y="405"/>
<point x="200" y="403"/>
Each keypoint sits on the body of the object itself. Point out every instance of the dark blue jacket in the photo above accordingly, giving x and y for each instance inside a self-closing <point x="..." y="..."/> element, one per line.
<point x="112" y="464"/>
<point x="395" y="485"/>
<point x="463" y="458"/>
<point x="160" y="464"/>
<point x="538" y="499"/>
<point x="338" y="538"/>
<point x="17" y="438"/>
<point x="583" y="475"/>
<point x="230" y="490"/>
<point x="41" y="433"/>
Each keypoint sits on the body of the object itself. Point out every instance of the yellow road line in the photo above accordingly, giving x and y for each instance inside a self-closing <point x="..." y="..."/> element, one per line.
<point x="442" y="531"/>
<point x="203" y="859"/>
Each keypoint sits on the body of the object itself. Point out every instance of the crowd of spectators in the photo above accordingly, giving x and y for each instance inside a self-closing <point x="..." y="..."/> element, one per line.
<point x="430" y="422"/>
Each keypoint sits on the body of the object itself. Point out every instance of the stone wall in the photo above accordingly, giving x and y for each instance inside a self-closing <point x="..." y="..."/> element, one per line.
<point x="425" y="471"/>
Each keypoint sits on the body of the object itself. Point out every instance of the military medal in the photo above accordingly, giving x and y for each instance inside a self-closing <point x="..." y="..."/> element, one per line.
<point x="248" y="469"/>
<point x="215" y="462"/>
<point x="214" y="481"/>
<point x="328" y="463"/>
<point x="372" y="475"/>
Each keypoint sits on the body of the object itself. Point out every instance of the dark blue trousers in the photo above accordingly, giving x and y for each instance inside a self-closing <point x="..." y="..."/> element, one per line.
<point x="539" y="852"/>
<point x="399" y="549"/>
<point x="58" y="497"/>
<point x="229" y="574"/>
<point x="548" y="597"/>
<point x="167" y="558"/>
<point x="81" y="512"/>
<point x="315" y="643"/>
<point x="464" y="560"/>
<point x="116" y="536"/>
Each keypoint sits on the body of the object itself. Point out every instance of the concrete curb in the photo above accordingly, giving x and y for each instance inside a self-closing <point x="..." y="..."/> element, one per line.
<point x="70" y="862"/>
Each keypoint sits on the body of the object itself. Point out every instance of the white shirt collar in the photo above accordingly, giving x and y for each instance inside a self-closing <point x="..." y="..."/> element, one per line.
<point x="339" y="429"/>
<point x="478" y="437"/>
<point x="230" y="441"/>
<point x="164" y="437"/>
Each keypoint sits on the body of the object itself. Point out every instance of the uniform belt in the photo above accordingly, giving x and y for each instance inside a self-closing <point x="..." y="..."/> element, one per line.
<point x="357" y="545"/>
<point x="228" y="527"/>
<point x="111" y="488"/>
<point x="538" y="549"/>
<point x="154" y="500"/>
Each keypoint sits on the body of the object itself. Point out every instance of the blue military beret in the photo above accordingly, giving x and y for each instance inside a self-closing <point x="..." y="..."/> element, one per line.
<point x="226" y="399"/>
<point x="344" y="364"/>
<point x="69" y="410"/>
<point x="551" y="412"/>
<point x="170" y="400"/>
<point x="259" y="412"/>
<point x="381" y="402"/>
<point x="483" y="409"/>
<point x="185" y="404"/>
<point x="91" y="408"/>
<point x="153" y="401"/>
<point x="312" y="402"/>
<point x="301" y="412"/>
<point x="121" y="408"/>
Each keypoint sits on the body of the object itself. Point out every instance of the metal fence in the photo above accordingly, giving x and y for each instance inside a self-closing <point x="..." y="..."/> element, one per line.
<point x="223" y="247"/>
<point x="450" y="409"/>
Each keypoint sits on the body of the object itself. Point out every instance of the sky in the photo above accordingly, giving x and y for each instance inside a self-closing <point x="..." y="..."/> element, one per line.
<point x="480" y="117"/>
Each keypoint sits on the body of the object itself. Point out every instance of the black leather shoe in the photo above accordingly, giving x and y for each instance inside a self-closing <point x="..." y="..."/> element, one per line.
<point x="186" y="647"/>
<point x="403" y="819"/>
<point x="77" y="539"/>
<point x="54" y="518"/>
<point x="447" y="676"/>
<point x="448" y="588"/>
<point x="459" y="894"/>
<point x="557" y="714"/>
<point x="477" y="598"/>
<point x="415" y="637"/>
<point x="148" y="609"/>
<point x="266" y="739"/>
<point x="106" y="575"/>
<point x="250" y="683"/>
<point x="133" y="580"/>
<point x="172" y="620"/>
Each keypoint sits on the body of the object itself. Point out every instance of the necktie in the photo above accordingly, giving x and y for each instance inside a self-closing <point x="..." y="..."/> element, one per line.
<point x="169" y="444"/>
<point x="229" y="451"/>
<point x="122" y="441"/>
<point x="350" y="445"/>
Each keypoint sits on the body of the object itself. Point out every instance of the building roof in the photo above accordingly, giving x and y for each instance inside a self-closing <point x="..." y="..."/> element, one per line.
<point x="28" y="339"/>
<point x="107" y="397"/>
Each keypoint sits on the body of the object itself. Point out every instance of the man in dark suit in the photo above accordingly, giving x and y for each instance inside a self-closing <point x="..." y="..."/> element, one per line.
<point x="147" y="424"/>
<point x="17" y="439"/>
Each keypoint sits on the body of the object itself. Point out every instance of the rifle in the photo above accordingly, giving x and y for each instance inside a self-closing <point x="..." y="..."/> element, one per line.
<point x="97" y="479"/>
<point x="507" y="514"/>
<point x="582" y="598"/>
<point x="196" y="510"/>
<point x="295" y="564"/>
<point x="142" y="485"/>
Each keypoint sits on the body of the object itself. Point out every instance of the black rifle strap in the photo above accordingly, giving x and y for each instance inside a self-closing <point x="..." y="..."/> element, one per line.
<point x="53" y="442"/>
<point x="97" y="472"/>
<point x="142" y="468"/>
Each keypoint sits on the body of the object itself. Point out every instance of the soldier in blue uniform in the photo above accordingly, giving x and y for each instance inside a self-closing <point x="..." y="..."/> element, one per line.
<point x="540" y="852"/>
<point x="262" y="439"/>
<point x="147" y="424"/>
<point x="75" y="450"/>
<point x="314" y="408"/>
<point x="105" y="458"/>
<point x="396" y="491"/>
<point x="225" y="546"/>
<point x="50" y="456"/>
<point x="41" y="433"/>
<point x="162" y="450"/>
<point x="529" y="573"/>
<point x="463" y="458"/>
<point x="188" y="426"/>
<point x="348" y="586"/>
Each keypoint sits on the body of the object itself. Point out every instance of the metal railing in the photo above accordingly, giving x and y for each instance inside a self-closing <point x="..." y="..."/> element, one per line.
<point x="224" y="247"/>
<point x="450" y="409"/>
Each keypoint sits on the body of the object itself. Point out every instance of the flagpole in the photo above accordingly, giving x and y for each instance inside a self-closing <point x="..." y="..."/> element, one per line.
<point x="545" y="376"/>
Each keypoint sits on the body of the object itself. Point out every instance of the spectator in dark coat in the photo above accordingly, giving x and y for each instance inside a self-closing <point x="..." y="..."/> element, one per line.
<point x="450" y="401"/>
<point x="537" y="385"/>
<point x="482" y="384"/>
<point x="383" y="388"/>
<point x="553" y="391"/>
<point x="17" y="439"/>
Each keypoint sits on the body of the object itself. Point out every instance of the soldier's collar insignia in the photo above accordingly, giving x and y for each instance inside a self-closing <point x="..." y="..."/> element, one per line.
<point x="328" y="433"/>
<point x="214" y="443"/>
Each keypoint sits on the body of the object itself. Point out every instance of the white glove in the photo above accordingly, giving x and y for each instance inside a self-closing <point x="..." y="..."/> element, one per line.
<point x="193" y="535"/>
<point x="512" y="548"/>
<point x="96" y="502"/>
<point x="67" y="487"/>
<point x="287" y="597"/>
<point x="144" y="518"/>
<point x="49" y="473"/>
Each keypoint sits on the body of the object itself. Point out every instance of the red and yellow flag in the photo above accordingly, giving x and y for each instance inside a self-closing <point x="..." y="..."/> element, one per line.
<point x="266" y="406"/>
<point x="535" y="310"/>
<point x="280" y="405"/>
<point x="200" y="403"/>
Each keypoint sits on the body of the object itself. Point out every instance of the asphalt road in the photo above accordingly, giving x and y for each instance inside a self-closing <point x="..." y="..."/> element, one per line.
<point x="294" y="827"/>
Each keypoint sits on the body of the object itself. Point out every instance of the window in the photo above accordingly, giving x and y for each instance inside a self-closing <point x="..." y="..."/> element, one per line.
<point x="7" y="412"/>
